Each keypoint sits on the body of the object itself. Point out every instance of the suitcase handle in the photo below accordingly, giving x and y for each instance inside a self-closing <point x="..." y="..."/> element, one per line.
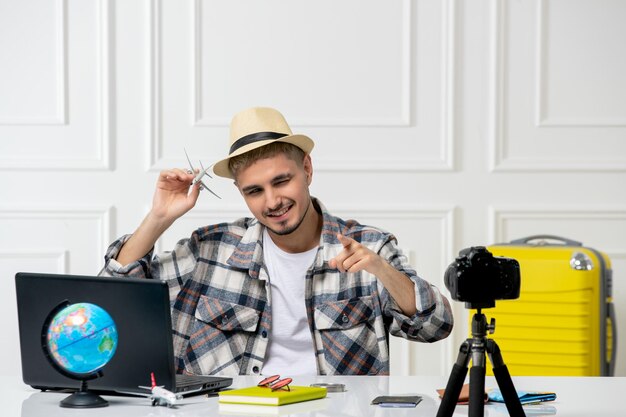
<point x="566" y="241"/>
<point x="611" y="316"/>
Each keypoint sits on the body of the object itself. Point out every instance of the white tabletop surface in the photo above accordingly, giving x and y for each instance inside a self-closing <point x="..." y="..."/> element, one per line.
<point x="576" y="396"/>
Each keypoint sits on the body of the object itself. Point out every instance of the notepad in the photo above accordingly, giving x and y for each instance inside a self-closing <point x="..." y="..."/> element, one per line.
<point x="304" y="407"/>
<point x="265" y="396"/>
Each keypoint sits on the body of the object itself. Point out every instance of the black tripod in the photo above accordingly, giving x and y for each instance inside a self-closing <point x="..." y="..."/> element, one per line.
<point x="474" y="348"/>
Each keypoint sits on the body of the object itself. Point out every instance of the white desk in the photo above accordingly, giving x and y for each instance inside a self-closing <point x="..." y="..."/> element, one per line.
<point x="588" y="397"/>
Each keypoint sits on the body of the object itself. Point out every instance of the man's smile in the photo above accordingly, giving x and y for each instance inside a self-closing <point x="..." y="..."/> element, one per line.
<point x="281" y="211"/>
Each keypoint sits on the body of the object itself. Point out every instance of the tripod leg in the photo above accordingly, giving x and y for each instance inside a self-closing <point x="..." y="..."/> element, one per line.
<point x="455" y="382"/>
<point x="477" y="384"/>
<point x="505" y="383"/>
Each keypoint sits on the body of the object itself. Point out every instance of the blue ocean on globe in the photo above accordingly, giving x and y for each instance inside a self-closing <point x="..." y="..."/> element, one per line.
<point x="82" y="338"/>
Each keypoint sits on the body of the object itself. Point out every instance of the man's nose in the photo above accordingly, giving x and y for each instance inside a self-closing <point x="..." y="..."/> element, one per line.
<point x="273" y="199"/>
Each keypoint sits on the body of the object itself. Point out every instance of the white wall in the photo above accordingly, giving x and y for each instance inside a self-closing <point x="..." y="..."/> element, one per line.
<point x="450" y="123"/>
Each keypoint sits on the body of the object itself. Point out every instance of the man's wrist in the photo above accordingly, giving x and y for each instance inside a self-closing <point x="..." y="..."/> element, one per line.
<point x="156" y="223"/>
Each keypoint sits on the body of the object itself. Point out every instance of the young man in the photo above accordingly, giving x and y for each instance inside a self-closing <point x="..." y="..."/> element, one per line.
<point x="293" y="290"/>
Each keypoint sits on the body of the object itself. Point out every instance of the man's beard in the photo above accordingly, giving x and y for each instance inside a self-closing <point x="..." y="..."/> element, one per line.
<point x="293" y="228"/>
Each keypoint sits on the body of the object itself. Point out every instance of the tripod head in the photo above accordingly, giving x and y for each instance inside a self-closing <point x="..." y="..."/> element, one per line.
<point x="480" y="328"/>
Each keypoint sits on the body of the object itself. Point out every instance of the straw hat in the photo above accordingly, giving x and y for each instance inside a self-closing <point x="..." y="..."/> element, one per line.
<point x="256" y="127"/>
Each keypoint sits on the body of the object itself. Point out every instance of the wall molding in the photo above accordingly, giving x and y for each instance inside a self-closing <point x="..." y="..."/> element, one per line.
<point x="103" y="216"/>
<point x="403" y="120"/>
<point x="60" y="256"/>
<point x="102" y="159"/>
<point x="155" y="160"/>
<point x="499" y="159"/>
<point x="445" y="214"/>
<point x="541" y="117"/>
<point x="444" y="161"/>
<point x="499" y="215"/>
<point x="60" y="117"/>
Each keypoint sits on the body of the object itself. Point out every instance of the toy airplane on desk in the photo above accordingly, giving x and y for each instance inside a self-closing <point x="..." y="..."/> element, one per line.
<point x="159" y="395"/>
<point x="199" y="176"/>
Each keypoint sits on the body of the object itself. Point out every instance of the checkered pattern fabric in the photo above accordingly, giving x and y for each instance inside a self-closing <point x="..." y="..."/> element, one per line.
<point x="221" y="314"/>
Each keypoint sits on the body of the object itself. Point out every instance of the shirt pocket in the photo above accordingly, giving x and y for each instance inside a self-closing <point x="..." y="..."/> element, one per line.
<point x="219" y="336"/>
<point x="227" y="316"/>
<point x="348" y="335"/>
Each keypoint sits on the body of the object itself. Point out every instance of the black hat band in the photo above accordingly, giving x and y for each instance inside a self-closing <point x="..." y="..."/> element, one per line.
<point x="254" y="137"/>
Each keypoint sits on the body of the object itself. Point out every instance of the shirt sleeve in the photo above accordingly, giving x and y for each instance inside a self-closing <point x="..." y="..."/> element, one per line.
<point x="174" y="267"/>
<point x="112" y="268"/>
<point x="433" y="320"/>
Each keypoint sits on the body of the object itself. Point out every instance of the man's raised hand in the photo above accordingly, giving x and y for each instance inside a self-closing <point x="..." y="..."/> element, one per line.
<point x="355" y="257"/>
<point x="173" y="197"/>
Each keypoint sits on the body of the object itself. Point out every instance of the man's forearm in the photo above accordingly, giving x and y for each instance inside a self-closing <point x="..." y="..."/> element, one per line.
<point x="400" y="287"/>
<point x="143" y="240"/>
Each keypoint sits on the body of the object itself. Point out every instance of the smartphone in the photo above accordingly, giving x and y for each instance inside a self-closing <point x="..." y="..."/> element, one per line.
<point x="397" y="405"/>
<point x="397" y="401"/>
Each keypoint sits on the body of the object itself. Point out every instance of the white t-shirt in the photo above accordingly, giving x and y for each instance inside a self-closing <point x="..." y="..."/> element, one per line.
<point x="290" y="348"/>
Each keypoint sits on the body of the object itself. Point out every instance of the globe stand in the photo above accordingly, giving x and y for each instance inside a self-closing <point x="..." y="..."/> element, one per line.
<point x="84" y="398"/>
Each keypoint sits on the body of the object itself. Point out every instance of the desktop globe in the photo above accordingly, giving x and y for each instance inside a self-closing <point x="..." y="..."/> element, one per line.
<point x="79" y="340"/>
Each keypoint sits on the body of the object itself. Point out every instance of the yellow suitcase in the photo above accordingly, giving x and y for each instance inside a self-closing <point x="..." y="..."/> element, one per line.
<point x="563" y="323"/>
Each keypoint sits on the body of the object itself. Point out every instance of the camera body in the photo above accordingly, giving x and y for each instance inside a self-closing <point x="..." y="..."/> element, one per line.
<point x="479" y="279"/>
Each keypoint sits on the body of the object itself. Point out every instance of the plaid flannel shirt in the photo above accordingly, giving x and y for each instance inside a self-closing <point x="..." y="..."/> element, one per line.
<point x="220" y="300"/>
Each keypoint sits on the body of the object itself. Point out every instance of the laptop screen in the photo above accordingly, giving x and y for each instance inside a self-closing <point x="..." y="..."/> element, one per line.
<point x="139" y="308"/>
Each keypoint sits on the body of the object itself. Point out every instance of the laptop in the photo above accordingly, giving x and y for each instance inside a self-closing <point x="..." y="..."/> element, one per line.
<point x="140" y="309"/>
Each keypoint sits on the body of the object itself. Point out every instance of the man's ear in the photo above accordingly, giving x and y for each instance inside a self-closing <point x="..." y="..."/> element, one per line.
<point x="307" y="165"/>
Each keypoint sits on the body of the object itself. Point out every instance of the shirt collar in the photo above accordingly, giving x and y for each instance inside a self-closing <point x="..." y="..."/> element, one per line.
<point x="248" y="253"/>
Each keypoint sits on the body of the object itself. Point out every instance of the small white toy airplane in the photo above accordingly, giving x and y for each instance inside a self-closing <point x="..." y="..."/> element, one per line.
<point x="159" y="395"/>
<point x="199" y="176"/>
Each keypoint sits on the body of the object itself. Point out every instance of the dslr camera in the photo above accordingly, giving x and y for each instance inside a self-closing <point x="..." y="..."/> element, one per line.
<point x="479" y="279"/>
